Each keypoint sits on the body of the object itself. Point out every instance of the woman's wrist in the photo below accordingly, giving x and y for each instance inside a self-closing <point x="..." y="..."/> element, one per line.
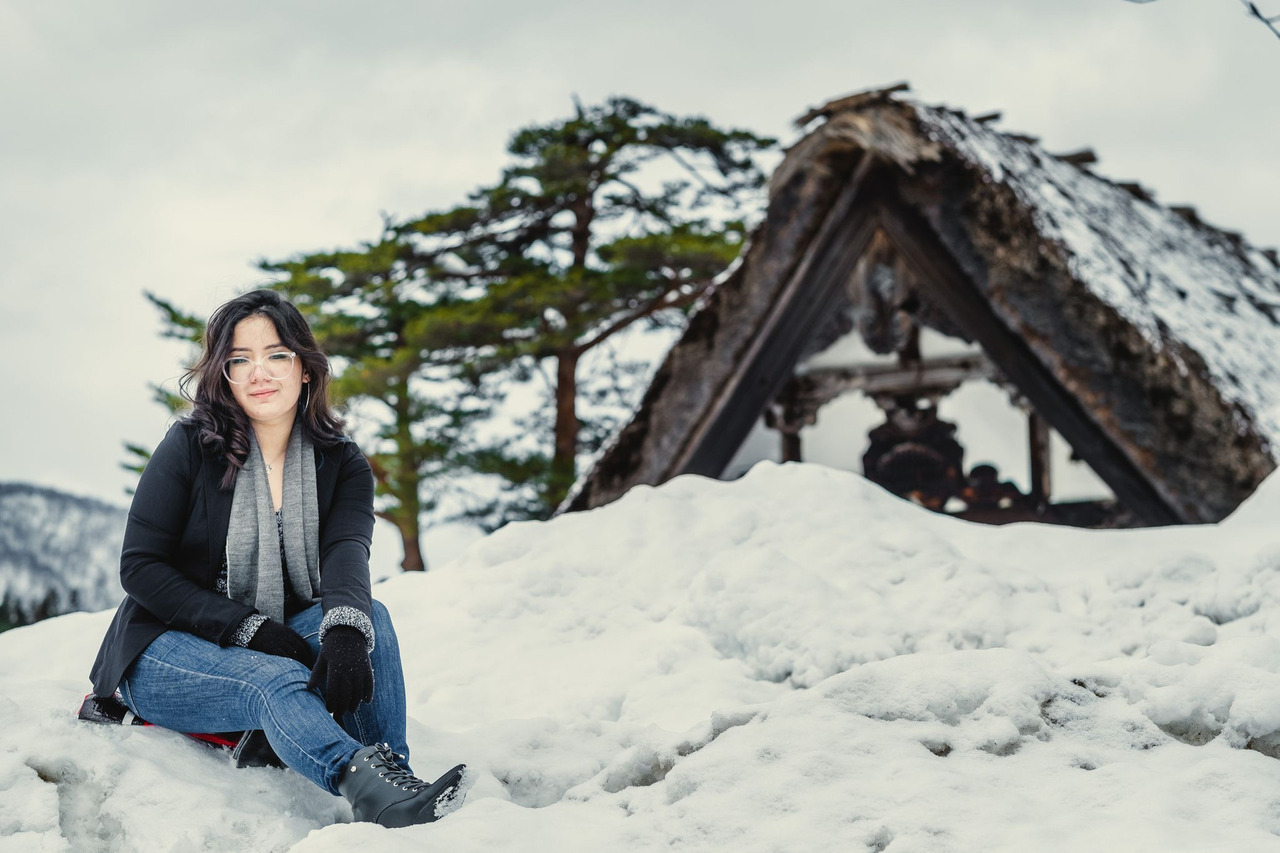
<point x="247" y="629"/>
<point x="349" y="617"/>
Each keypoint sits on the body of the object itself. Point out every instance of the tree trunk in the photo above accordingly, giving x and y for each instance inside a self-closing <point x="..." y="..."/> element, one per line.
<point x="409" y="535"/>
<point x="564" y="460"/>
<point x="408" y="482"/>
<point x="563" y="463"/>
<point x="406" y="523"/>
<point x="585" y="212"/>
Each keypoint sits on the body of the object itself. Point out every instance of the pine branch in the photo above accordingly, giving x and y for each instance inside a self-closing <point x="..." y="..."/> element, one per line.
<point x="707" y="186"/>
<point x="661" y="303"/>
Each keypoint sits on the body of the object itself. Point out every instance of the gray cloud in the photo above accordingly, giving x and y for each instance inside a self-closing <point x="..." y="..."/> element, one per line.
<point x="167" y="147"/>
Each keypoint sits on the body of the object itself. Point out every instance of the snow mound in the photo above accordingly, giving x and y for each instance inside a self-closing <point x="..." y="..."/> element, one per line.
<point x="1260" y="508"/>
<point x="794" y="660"/>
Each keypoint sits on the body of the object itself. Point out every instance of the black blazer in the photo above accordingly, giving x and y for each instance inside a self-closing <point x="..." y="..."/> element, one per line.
<point x="177" y="532"/>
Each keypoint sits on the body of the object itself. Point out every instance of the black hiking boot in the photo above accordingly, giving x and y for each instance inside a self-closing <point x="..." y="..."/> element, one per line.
<point x="381" y="791"/>
<point x="253" y="750"/>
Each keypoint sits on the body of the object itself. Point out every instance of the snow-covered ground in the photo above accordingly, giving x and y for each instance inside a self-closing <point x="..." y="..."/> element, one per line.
<point x="791" y="661"/>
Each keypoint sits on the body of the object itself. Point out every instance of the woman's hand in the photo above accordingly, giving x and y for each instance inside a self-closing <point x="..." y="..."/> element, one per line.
<point x="343" y="672"/>
<point x="273" y="638"/>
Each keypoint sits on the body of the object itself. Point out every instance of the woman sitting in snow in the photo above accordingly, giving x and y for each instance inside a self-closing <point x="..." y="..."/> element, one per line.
<point x="246" y="563"/>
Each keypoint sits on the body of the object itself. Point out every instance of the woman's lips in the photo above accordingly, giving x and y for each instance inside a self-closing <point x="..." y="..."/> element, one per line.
<point x="262" y="395"/>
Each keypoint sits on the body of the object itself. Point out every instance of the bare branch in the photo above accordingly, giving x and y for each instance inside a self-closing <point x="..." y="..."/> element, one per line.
<point x="1270" y="22"/>
<point x="1254" y="11"/>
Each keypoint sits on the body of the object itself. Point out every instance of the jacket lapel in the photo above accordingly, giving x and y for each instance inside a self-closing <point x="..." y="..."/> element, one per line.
<point x="326" y="478"/>
<point x="218" y="507"/>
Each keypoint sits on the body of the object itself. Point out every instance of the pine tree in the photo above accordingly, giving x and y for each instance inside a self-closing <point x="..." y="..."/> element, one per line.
<point x="181" y="326"/>
<point x="428" y="324"/>
<point x="569" y="248"/>
<point x="361" y="305"/>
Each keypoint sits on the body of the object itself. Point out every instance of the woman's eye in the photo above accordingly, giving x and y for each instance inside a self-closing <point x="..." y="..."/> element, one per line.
<point x="237" y="362"/>
<point x="278" y="357"/>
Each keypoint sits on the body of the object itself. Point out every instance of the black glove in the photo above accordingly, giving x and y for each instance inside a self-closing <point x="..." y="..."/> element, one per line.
<point x="273" y="638"/>
<point x="343" y="672"/>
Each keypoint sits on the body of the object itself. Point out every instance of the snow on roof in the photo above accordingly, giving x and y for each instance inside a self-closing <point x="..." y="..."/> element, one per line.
<point x="1174" y="278"/>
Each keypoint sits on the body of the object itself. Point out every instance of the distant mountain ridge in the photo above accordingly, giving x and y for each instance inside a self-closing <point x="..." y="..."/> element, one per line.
<point x="58" y="553"/>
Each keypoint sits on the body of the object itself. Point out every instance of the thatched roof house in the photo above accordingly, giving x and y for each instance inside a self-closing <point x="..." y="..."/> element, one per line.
<point x="1144" y="336"/>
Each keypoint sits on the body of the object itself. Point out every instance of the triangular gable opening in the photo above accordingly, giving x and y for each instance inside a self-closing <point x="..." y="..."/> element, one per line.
<point x="896" y="393"/>
<point x="978" y="426"/>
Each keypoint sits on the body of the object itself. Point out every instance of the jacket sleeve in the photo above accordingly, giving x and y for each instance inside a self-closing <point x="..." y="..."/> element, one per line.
<point x="345" y="542"/>
<point x="157" y="521"/>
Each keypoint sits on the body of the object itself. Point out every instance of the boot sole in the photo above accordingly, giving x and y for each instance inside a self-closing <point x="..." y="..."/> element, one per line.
<point x="446" y="795"/>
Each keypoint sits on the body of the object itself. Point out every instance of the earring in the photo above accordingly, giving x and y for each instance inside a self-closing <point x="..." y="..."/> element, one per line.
<point x="307" y="386"/>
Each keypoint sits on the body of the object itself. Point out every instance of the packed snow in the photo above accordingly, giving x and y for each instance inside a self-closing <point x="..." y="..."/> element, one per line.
<point x="795" y="660"/>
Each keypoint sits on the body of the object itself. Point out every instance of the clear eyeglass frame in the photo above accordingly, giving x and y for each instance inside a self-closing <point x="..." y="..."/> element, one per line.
<point x="276" y="365"/>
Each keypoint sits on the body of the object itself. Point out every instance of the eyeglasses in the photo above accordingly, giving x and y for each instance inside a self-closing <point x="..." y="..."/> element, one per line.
<point x="277" y="365"/>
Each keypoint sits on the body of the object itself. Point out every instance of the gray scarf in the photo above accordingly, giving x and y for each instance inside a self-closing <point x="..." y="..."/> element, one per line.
<point x="255" y="575"/>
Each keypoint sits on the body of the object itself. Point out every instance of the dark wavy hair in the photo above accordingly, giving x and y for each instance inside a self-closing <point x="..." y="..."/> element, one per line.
<point x="224" y="427"/>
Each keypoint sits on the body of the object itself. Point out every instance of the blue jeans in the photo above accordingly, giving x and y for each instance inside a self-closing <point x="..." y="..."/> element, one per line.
<point x="188" y="684"/>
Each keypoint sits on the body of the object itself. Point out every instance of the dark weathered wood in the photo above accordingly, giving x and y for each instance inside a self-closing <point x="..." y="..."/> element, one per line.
<point x="789" y="417"/>
<point x="938" y="376"/>
<point x="1038" y="448"/>
<point x="850" y="102"/>
<point x="1083" y="157"/>
<point x="1137" y="190"/>
<point x="790" y="446"/>
<point x="957" y="294"/>
<point x="1071" y="513"/>
<point x="800" y="307"/>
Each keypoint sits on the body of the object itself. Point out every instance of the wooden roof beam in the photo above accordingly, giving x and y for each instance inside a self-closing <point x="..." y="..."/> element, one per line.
<point x="851" y="102"/>
<point x="942" y="375"/>
<point x="802" y="304"/>
<point x="1083" y="157"/>
<point x="955" y="292"/>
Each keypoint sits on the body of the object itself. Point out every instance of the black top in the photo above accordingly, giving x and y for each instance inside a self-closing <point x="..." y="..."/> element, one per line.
<point x="176" y="536"/>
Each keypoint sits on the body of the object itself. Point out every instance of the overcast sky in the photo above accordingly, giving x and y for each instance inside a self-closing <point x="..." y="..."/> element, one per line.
<point x="168" y="146"/>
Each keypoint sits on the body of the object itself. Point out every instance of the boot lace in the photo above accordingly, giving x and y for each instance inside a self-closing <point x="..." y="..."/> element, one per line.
<point x="384" y="759"/>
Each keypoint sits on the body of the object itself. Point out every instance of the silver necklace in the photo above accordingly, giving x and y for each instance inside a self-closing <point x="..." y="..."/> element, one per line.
<point x="272" y="466"/>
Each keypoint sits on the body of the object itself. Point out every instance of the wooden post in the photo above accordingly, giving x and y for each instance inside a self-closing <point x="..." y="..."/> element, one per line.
<point x="791" y="445"/>
<point x="1038" y="442"/>
<point x="784" y="416"/>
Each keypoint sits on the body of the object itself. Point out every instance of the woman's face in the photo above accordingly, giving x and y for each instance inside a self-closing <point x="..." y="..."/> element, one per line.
<point x="265" y="400"/>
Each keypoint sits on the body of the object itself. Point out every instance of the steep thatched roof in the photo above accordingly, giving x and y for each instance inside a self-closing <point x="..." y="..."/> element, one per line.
<point x="1143" y="334"/>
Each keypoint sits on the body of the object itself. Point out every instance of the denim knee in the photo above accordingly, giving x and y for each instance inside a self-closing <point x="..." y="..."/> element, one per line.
<point x="280" y="674"/>
<point x="381" y="617"/>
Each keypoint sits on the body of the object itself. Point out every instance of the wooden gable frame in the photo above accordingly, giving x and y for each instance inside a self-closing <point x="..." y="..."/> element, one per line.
<point x="867" y="203"/>
<point x="874" y="181"/>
